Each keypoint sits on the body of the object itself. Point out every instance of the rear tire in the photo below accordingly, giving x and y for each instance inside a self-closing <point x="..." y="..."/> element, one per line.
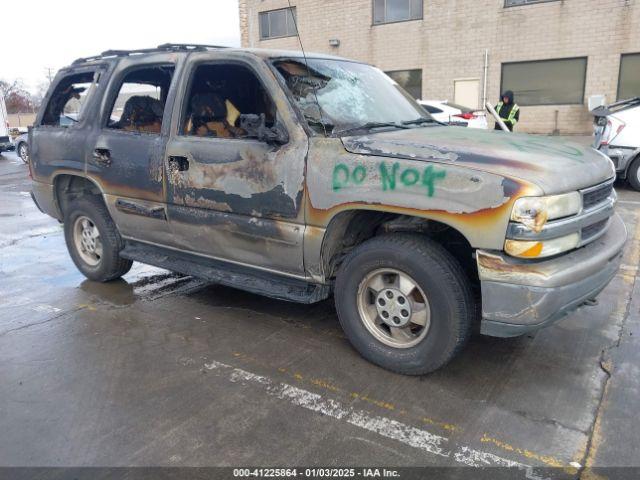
<point x="633" y="174"/>
<point x="93" y="240"/>
<point x="385" y="274"/>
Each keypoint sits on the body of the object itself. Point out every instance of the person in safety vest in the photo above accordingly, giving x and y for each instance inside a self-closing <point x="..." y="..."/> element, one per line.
<point x="508" y="110"/>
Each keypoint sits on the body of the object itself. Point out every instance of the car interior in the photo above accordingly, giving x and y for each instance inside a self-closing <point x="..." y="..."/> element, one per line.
<point x="219" y="95"/>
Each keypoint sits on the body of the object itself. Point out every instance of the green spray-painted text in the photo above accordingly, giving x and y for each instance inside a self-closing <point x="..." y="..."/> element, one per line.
<point x="391" y="177"/>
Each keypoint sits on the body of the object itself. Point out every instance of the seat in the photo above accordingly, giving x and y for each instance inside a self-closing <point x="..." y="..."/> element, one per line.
<point x="208" y="116"/>
<point x="141" y="113"/>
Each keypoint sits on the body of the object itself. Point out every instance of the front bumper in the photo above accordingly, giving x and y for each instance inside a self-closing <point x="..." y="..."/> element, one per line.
<point x="520" y="296"/>
<point x="5" y="144"/>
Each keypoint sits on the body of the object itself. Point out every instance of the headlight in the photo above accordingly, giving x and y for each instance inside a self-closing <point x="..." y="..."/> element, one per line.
<point x="542" y="248"/>
<point x="535" y="211"/>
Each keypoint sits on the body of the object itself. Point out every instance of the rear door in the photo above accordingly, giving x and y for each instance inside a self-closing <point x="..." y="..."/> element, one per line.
<point x="231" y="195"/>
<point x="125" y="152"/>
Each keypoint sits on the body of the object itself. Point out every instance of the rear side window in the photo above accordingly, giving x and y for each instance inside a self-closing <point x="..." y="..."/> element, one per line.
<point x="69" y="99"/>
<point x="141" y="99"/>
<point x="431" y="109"/>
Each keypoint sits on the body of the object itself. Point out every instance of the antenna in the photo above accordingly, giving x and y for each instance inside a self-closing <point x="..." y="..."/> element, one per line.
<point x="306" y="63"/>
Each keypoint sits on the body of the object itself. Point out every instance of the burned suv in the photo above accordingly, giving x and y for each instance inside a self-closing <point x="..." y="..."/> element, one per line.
<point x="301" y="178"/>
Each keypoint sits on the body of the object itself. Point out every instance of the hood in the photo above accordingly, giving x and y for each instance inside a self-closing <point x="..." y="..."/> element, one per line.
<point x="553" y="164"/>
<point x="509" y="95"/>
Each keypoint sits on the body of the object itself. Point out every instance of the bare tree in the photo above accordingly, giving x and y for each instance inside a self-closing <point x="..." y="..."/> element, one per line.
<point x="18" y="99"/>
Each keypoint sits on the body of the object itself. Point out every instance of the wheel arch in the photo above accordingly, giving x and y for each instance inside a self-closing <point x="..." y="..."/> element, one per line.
<point x="352" y="227"/>
<point x="69" y="186"/>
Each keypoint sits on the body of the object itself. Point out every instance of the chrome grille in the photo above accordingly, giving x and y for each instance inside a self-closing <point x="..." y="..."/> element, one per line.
<point x="595" y="195"/>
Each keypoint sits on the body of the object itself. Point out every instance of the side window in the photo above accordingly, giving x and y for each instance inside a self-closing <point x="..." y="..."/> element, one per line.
<point x="431" y="108"/>
<point x="226" y="101"/>
<point x="69" y="98"/>
<point x="141" y="98"/>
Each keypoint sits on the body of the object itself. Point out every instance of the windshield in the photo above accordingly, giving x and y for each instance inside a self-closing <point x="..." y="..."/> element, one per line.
<point x="351" y="95"/>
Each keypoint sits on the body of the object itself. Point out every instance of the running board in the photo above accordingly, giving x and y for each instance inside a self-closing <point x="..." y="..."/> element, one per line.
<point x="244" y="278"/>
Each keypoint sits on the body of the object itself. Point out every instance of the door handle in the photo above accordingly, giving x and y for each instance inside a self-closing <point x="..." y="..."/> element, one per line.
<point x="102" y="156"/>
<point x="178" y="163"/>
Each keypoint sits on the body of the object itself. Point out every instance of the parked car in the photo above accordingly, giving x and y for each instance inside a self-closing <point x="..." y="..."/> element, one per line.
<point x="617" y="135"/>
<point x="5" y="140"/>
<point x="453" y="114"/>
<point x="269" y="172"/>
<point x="21" y="144"/>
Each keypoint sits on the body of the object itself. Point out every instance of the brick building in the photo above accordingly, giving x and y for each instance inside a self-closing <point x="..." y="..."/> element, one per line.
<point x="554" y="54"/>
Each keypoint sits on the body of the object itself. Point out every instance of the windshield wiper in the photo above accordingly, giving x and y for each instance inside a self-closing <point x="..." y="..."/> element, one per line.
<point x="420" y="120"/>
<point x="370" y="125"/>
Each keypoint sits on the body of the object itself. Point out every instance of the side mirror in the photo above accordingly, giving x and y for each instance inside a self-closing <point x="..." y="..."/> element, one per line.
<point x="255" y="127"/>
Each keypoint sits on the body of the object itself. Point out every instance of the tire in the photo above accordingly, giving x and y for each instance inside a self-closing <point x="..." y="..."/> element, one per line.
<point x="22" y="149"/>
<point x="104" y="263"/>
<point x="633" y="174"/>
<point x="437" y="276"/>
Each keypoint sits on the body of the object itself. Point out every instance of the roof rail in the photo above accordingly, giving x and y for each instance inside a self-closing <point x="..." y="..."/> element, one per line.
<point x="165" y="47"/>
<point x="187" y="46"/>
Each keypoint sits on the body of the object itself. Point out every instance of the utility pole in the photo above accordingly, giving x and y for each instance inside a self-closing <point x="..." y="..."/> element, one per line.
<point x="49" y="74"/>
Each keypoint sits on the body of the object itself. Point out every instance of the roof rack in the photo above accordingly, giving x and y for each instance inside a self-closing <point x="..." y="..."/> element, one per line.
<point x="165" y="47"/>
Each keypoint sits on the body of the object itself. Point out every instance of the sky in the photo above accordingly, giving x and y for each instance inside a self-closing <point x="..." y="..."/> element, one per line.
<point x="52" y="34"/>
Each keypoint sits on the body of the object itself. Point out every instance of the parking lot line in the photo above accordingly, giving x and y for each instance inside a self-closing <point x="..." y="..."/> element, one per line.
<point x="409" y="435"/>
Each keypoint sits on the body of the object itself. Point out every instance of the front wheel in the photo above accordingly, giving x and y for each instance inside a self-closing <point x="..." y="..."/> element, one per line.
<point x="93" y="240"/>
<point x="404" y="303"/>
<point x="23" y="152"/>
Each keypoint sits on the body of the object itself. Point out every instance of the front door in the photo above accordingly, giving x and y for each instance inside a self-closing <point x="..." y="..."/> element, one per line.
<point x="125" y="154"/>
<point x="233" y="193"/>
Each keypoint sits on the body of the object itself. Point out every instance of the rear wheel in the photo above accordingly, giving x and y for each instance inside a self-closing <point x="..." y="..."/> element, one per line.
<point x="93" y="240"/>
<point x="404" y="303"/>
<point x="633" y="174"/>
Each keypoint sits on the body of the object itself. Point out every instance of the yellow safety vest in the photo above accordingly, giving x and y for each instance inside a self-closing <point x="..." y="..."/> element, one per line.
<point x="512" y="114"/>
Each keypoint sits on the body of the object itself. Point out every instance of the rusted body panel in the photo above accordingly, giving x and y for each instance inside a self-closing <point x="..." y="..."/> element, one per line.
<point x="477" y="204"/>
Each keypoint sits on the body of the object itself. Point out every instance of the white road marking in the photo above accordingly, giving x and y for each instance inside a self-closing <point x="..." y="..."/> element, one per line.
<point x="386" y="427"/>
<point x="46" y="308"/>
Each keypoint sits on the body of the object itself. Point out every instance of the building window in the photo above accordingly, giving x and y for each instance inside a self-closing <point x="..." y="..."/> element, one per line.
<point x="410" y="80"/>
<point x="389" y="11"/>
<point x="629" y="79"/>
<point x="546" y="82"/>
<point x="278" y="23"/>
<point x="515" y="3"/>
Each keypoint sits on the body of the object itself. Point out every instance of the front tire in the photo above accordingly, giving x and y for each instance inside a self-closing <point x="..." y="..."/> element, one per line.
<point x="23" y="152"/>
<point x="93" y="240"/>
<point x="404" y="303"/>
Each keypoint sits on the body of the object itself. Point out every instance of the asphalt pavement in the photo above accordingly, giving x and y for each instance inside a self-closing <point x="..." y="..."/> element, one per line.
<point x="159" y="369"/>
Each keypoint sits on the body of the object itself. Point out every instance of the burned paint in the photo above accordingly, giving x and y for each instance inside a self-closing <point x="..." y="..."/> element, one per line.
<point x="391" y="176"/>
<point x="554" y="165"/>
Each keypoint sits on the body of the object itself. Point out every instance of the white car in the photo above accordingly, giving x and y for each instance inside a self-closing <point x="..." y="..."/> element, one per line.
<point x="617" y="135"/>
<point x="452" y="114"/>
